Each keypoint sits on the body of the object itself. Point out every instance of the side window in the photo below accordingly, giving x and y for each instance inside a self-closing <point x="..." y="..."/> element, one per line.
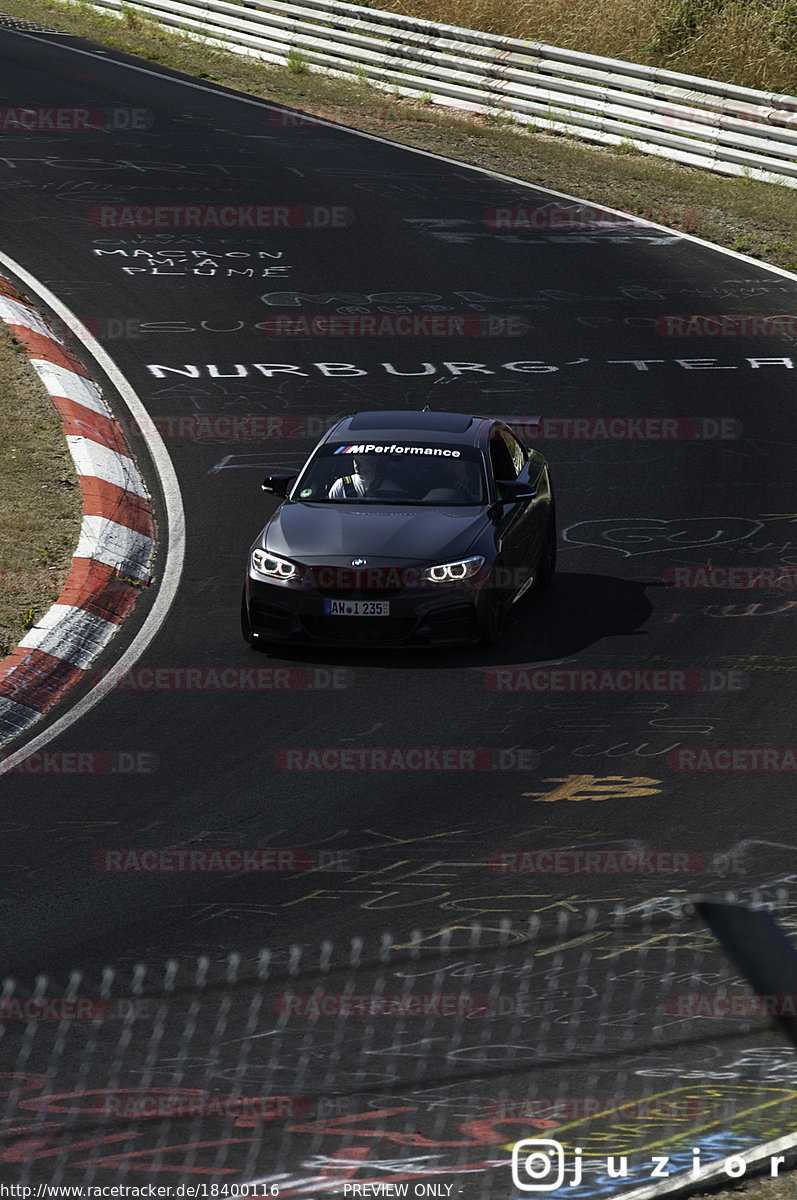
<point x="500" y="458"/>
<point x="519" y="456"/>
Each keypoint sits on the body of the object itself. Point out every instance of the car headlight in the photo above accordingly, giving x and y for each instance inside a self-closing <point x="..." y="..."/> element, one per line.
<point x="453" y="572"/>
<point x="272" y="566"/>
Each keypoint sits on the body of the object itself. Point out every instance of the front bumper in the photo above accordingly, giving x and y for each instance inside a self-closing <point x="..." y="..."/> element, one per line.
<point x="437" y="615"/>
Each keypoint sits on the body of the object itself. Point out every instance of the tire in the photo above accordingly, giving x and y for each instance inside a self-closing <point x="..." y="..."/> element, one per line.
<point x="495" y="617"/>
<point x="546" y="566"/>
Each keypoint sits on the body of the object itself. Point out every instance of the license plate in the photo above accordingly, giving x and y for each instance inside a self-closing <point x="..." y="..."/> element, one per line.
<point x="357" y="608"/>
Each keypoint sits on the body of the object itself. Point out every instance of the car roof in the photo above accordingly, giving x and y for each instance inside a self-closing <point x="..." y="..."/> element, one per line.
<point x="382" y="424"/>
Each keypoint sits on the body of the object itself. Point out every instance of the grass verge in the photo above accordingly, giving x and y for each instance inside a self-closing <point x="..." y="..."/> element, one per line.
<point x="751" y="42"/>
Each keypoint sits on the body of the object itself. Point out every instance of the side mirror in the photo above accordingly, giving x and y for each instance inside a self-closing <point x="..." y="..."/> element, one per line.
<point x="511" y="491"/>
<point x="278" y="485"/>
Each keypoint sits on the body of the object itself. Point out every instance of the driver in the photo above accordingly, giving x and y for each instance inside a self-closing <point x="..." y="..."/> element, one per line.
<point x="363" y="481"/>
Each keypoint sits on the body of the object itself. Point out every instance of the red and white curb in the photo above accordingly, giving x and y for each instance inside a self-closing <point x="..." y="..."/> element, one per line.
<point x="112" y="559"/>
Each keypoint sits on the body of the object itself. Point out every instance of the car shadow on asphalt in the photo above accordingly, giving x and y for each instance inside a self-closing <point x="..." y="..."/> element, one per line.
<point x="579" y="610"/>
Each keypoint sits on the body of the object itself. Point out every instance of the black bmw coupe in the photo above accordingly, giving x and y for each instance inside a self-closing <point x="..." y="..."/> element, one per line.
<point x="402" y="528"/>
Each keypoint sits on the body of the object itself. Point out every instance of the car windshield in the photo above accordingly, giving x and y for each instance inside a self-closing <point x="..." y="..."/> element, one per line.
<point x="440" y="476"/>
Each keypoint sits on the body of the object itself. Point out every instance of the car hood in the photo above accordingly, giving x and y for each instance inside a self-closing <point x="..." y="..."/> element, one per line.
<point x="326" y="533"/>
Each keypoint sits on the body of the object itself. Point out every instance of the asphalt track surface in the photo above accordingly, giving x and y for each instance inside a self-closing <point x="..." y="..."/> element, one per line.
<point x="570" y="768"/>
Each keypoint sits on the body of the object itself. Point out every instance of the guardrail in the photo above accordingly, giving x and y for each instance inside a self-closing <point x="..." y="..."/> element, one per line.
<point x="703" y="123"/>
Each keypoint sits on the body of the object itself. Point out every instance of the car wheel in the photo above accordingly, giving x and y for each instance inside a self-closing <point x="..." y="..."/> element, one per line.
<point x="495" y="617"/>
<point x="547" y="561"/>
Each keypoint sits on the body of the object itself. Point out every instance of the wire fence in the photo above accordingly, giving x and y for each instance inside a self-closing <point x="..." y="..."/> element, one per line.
<point x="616" y="1039"/>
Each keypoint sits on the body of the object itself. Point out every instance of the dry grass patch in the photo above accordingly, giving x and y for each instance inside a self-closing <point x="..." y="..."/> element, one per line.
<point x="615" y="28"/>
<point x="40" y="502"/>
<point x="752" y="42"/>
